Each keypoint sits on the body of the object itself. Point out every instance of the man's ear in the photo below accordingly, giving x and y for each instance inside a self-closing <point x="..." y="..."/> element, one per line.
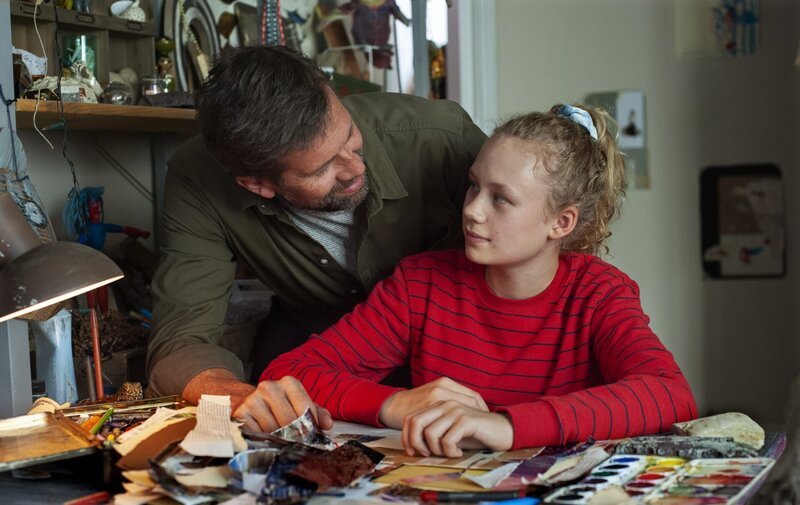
<point x="258" y="185"/>
<point x="564" y="223"/>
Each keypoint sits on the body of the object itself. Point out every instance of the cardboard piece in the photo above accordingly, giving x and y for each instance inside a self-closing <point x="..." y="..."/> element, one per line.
<point x="137" y="459"/>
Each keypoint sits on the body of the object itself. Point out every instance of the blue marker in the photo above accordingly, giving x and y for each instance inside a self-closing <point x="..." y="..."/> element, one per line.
<point x="516" y="501"/>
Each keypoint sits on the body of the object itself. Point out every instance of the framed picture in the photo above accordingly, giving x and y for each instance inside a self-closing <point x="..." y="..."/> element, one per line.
<point x="742" y="221"/>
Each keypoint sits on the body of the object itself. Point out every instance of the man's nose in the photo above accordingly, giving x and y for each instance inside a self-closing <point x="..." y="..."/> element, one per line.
<point x="353" y="165"/>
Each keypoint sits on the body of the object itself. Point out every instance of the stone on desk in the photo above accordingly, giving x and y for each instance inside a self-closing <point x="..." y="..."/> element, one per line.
<point x="731" y="424"/>
<point x="688" y="447"/>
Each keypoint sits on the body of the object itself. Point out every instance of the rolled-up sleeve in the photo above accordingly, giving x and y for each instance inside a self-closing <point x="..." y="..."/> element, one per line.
<point x="190" y="290"/>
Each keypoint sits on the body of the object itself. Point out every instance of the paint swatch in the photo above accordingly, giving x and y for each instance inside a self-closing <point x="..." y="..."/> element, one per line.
<point x="669" y="481"/>
<point x="638" y="475"/>
<point x="707" y="481"/>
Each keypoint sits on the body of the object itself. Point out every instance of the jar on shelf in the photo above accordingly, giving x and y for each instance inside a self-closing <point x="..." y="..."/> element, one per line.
<point x="153" y="85"/>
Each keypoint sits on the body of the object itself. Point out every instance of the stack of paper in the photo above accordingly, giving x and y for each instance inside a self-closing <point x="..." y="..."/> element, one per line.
<point x="214" y="435"/>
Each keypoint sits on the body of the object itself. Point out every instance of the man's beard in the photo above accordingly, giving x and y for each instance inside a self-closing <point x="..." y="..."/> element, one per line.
<point x="334" y="200"/>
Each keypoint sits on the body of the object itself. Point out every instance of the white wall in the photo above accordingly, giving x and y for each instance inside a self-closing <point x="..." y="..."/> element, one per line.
<point x="737" y="341"/>
<point x="51" y="176"/>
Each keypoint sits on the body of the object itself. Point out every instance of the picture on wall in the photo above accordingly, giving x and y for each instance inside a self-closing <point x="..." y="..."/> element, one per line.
<point x="628" y="110"/>
<point x="742" y="221"/>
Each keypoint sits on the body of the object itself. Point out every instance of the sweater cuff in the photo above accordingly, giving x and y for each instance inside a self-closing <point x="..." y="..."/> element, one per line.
<point x="365" y="401"/>
<point x="171" y="373"/>
<point x="535" y="424"/>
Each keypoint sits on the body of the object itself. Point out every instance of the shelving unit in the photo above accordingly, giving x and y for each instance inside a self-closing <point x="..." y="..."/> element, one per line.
<point x="129" y="118"/>
<point x="120" y="43"/>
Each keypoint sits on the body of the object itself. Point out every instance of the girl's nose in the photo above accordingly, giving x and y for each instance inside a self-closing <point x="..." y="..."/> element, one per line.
<point x="472" y="211"/>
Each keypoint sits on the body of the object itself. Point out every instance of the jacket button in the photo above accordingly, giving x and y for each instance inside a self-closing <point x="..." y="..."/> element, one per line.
<point x="324" y="261"/>
<point x="353" y="291"/>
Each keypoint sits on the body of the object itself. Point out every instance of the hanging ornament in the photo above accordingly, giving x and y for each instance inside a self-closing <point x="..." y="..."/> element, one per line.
<point x="271" y="26"/>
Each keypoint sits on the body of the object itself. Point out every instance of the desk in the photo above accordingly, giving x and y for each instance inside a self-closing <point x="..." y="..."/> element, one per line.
<point x="79" y="477"/>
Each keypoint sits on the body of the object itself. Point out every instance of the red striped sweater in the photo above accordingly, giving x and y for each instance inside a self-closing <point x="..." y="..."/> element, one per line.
<point x="577" y="360"/>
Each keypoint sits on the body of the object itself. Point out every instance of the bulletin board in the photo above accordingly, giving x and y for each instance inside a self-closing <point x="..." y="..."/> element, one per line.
<point x="742" y="216"/>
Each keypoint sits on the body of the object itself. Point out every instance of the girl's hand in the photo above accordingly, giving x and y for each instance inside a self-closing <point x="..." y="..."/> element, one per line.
<point x="440" y="430"/>
<point x="403" y="403"/>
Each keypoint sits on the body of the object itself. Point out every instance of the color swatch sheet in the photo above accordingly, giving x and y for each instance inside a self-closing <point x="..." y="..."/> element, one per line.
<point x="669" y="481"/>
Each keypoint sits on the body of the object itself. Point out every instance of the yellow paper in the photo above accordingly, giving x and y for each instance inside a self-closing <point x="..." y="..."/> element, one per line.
<point x="406" y="471"/>
<point x="210" y="476"/>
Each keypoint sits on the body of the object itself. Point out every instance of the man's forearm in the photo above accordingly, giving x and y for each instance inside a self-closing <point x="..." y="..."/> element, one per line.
<point x="217" y="381"/>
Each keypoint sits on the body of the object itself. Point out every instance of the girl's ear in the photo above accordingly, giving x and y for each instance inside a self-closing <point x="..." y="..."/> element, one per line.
<point x="258" y="185"/>
<point x="564" y="223"/>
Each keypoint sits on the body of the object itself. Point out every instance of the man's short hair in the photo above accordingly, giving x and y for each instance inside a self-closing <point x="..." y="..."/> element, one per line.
<point x="259" y="104"/>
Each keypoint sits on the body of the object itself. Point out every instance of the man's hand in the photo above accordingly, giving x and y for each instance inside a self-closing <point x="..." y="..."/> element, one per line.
<point x="403" y="403"/>
<point x="277" y="403"/>
<point x="444" y="428"/>
<point x="264" y="408"/>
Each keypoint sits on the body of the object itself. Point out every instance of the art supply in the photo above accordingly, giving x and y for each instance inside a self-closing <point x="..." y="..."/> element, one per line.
<point x="669" y="480"/>
<point x="636" y="474"/>
<point x="528" y="500"/>
<point x="99" y="424"/>
<point x="98" y="372"/>
<point x="713" y="481"/>
<point x="87" y="364"/>
<point x="470" y="497"/>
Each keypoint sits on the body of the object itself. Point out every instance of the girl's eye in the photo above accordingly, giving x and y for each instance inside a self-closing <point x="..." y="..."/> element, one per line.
<point x="472" y="186"/>
<point x="500" y="199"/>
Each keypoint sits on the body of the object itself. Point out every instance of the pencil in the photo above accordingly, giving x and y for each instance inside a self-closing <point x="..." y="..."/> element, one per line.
<point x="469" y="497"/>
<point x="99" y="424"/>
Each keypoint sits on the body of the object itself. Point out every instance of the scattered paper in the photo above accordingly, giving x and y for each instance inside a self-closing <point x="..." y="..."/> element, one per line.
<point x="210" y="476"/>
<point x="242" y="499"/>
<point x="141" y="477"/>
<point x="163" y="417"/>
<point x="493" y="478"/>
<point x="573" y="467"/>
<point x="134" y="488"/>
<point x="159" y="416"/>
<point x="254" y="482"/>
<point x="346" y="428"/>
<point x="212" y="434"/>
<point x="305" y="430"/>
<point x="386" y="443"/>
<point x="135" y="499"/>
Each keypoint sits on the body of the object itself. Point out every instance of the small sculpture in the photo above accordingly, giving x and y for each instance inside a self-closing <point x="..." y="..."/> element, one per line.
<point x="164" y="46"/>
<point x="371" y="26"/>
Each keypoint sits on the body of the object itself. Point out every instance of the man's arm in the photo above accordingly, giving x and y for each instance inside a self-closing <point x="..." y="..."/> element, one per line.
<point x="217" y="381"/>
<point x="190" y="289"/>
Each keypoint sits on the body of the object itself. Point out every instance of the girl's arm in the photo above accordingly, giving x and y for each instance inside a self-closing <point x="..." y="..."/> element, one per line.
<point x="645" y="391"/>
<point x="340" y="367"/>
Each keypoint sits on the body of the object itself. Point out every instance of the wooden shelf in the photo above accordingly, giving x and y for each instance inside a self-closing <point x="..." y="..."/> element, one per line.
<point x="77" y="19"/>
<point x="89" y="116"/>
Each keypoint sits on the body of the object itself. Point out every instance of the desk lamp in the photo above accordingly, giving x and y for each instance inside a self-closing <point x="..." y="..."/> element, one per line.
<point x="35" y="275"/>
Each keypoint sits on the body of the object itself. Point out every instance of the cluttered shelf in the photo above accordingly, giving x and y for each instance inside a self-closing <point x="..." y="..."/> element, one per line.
<point x="76" y="19"/>
<point x="197" y="455"/>
<point x="130" y="118"/>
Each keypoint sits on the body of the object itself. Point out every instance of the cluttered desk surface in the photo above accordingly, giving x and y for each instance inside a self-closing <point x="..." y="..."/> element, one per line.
<point x="142" y="452"/>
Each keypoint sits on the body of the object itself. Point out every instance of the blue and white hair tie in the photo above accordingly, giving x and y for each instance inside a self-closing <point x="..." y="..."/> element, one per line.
<point x="579" y="116"/>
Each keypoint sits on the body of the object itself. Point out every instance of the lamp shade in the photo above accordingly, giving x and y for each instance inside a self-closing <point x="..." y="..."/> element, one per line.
<point x="46" y="273"/>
